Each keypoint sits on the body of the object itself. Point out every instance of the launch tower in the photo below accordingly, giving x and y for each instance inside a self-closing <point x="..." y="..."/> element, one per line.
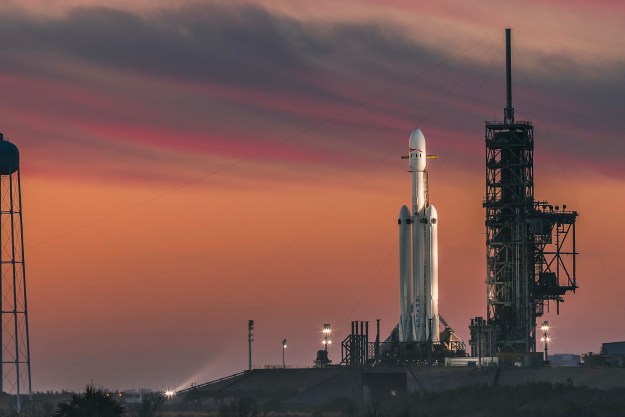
<point x="14" y="341"/>
<point x="530" y="245"/>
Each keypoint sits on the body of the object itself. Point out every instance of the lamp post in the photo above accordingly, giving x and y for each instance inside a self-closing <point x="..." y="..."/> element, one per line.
<point x="283" y="349"/>
<point x="326" y="336"/>
<point x="250" y="339"/>
<point x="545" y="338"/>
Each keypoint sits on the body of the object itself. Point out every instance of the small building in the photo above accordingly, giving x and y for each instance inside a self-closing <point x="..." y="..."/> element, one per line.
<point x="613" y="354"/>
<point x="136" y="396"/>
<point x="613" y="348"/>
<point x="564" y="359"/>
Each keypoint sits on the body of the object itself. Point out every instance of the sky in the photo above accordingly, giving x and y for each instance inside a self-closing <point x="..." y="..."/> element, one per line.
<point x="188" y="166"/>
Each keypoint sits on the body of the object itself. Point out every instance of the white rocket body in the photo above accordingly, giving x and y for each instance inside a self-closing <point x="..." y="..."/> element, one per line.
<point x="418" y="255"/>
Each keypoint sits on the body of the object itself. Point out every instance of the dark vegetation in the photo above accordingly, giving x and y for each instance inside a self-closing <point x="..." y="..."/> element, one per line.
<point x="93" y="402"/>
<point x="534" y="399"/>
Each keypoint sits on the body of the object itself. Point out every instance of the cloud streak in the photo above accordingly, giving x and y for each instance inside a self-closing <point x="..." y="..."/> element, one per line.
<point x="214" y="79"/>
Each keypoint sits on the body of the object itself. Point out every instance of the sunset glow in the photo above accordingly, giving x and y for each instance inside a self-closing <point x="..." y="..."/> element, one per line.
<point x="187" y="168"/>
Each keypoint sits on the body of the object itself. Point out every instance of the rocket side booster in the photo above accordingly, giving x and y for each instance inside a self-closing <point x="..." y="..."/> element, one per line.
<point x="418" y="253"/>
<point x="405" y="274"/>
<point x="431" y="274"/>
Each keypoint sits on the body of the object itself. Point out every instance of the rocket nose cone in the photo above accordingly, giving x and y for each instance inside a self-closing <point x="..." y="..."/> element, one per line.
<point x="404" y="216"/>
<point x="417" y="140"/>
<point x="404" y="213"/>
<point x="431" y="212"/>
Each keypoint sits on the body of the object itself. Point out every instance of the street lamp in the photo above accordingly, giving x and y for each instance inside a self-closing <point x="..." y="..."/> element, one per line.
<point x="545" y="338"/>
<point x="283" y="349"/>
<point x="326" y="336"/>
<point x="250" y="339"/>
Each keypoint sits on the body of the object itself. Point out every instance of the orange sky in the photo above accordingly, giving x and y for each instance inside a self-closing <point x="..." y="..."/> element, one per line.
<point x="187" y="169"/>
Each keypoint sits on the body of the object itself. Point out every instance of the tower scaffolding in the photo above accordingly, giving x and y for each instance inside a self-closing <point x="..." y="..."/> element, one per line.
<point x="530" y="245"/>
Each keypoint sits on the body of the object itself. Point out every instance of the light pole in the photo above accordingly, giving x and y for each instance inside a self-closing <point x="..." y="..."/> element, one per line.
<point x="250" y="339"/>
<point x="545" y="338"/>
<point x="326" y="336"/>
<point x="283" y="349"/>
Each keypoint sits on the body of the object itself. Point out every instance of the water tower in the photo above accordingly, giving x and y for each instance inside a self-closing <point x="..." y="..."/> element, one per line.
<point x="14" y="342"/>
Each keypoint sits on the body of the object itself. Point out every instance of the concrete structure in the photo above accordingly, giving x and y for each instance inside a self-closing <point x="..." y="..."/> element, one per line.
<point x="564" y="359"/>
<point x="315" y="386"/>
<point x="613" y="348"/>
<point x="612" y="355"/>
<point x="472" y="361"/>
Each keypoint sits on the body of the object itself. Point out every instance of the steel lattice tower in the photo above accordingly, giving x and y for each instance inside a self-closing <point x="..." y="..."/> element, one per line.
<point x="528" y="248"/>
<point x="14" y="340"/>
<point x="509" y="203"/>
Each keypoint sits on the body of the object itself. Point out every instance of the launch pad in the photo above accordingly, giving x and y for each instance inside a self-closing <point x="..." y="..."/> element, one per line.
<point x="531" y="258"/>
<point x="358" y="350"/>
<point x="531" y="262"/>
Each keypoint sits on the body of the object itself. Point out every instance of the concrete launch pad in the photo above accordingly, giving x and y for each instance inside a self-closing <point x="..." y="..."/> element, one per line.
<point x="362" y="385"/>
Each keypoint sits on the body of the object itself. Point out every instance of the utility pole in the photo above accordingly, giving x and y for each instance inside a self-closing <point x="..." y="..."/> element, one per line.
<point x="250" y="339"/>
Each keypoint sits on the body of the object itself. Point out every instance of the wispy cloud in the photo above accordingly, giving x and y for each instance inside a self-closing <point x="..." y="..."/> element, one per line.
<point x="232" y="80"/>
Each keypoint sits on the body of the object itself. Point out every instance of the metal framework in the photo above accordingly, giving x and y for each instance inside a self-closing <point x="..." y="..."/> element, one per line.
<point x="14" y="340"/>
<point x="530" y="246"/>
<point x="509" y="250"/>
<point x="553" y="230"/>
<point x="356" y="348"/>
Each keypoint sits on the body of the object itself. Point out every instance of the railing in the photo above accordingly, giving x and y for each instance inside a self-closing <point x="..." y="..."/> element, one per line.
<point x="281" y="367"/>
<point x="196" y="386"/>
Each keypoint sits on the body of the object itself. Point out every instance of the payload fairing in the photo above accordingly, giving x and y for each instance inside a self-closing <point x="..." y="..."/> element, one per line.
<point x="418" y="255"/>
